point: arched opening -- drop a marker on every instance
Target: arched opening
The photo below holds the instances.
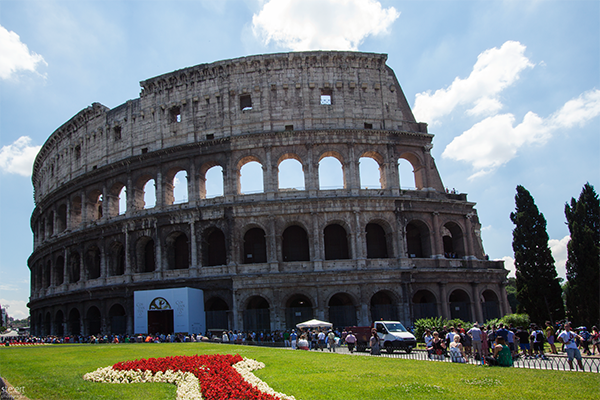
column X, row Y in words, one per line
column 291, row 175
column 145, row 254
column 255, row 246
column 96, row 200
column 376, row 241
column 149, row 194
column 122, row 201
column 74, row 267
column 406, row 174
column 118, row 320
column 298, row 309
column 115, row 203
column 294, row 244
column 417, row 240
column 92, row 262
column 180, row 187
column 214, row 250
column 331, row 174
column 59, row 271
column 74, row 322
column 48, row 274
column 75, row 211
column 453, row 240
column 370, row 173
column 490, row 306
column 178, row 252
column 460, row 305
column 383, row 307
column 116, row 265
column 342, row 311
column 59, row 327
column 257, row 316
column 62, row 218
column 336, row 242
column 94, row 321
column 213, row 183
column 216, row 314
column 251, row 178
column 424, row 305
column 50, row 224
column 48, row 324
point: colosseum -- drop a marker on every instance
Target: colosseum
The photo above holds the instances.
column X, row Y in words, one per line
column 207, row 203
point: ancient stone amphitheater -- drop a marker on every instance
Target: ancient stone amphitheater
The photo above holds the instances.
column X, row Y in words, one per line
column 108, row 222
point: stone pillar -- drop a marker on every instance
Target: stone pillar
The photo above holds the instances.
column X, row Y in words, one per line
column 437, row 244
column 193, row 249
column 311, row 173
column 84, row 203
column 192, row 184
column 469, row 236
column 444, row 303
column 158, row 256
column 504, row 306
column 128, row 269
column 478, row 311
column 159, row 189
column 130, row 190
column 271, row 239
column 269, row 175
column 352, row 173
column 65, row 268
column 315, row 244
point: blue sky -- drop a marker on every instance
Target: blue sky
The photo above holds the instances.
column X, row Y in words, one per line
column 510, row 89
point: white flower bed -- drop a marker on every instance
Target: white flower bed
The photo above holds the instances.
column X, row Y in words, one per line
column 188, row 387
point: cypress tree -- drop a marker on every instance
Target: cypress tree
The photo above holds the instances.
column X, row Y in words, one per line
column 538, row 286
column 583, row 262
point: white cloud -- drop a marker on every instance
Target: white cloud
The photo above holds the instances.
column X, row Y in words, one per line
column 509, row 264
column 18, row 158
column 495, row 70
column 15, row 55
column 558, row 247
column 16, row 308
column 495, row 141
column 321, row 24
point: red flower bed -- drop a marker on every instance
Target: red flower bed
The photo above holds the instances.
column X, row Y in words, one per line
column 218, row 379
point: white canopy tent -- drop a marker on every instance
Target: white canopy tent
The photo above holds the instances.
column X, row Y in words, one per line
column 314, row 323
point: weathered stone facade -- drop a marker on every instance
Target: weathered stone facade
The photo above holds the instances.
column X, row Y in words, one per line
column 264, row 260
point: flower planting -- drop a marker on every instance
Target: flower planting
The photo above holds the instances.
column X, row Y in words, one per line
column 208, row 377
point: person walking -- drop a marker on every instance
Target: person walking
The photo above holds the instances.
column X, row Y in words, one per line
column 350, row 341
column 568, row 338
column 374, row 343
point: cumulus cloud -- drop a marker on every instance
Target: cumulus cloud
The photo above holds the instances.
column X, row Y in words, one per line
column 16, row 308
column 558, row 247
column 15, row 55
column 18, row 157
column 321, row 24
column 495, row 70
column 496, row 140
column 509, row 264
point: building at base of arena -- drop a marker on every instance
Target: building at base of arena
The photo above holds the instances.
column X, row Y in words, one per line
column 263, row 191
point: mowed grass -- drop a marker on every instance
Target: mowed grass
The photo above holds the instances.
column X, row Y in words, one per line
column 56, row 371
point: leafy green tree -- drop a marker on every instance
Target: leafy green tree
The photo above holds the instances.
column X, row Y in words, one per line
column 538, row 286
column 583, row 252
column 511, row 294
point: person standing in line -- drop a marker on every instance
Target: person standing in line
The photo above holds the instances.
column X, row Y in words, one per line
column 293, row 339
column 331, row 340
column 475, row 334
column 550, row 337
column 321, row 339
column 568, row 338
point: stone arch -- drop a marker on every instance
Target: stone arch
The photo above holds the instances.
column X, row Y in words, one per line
column 453, row 240
column 47, row 324
column 460, row 305
column 59, row 271
column 214, row 247
column 50, row 224
column 59, row 323
column 490, row 305
column 294, row 244
column 257, row 315
column 255, row 246
column 298, row 308
column 342, row 310
column 335, row 241
column 61, row 219
column 175, row 190
column 418, row 242
column 211, row 182
column 95, row 200
column 74, row 323
column 114, row 197
column 75, row 211
column 371, row 166
column 145, row 255
column 253, row 180
column 92, row 262
column 424, row 304
column 93, row 321
column 116, row 260
column 178, row 251
column 383, row 306
column 331, row 171
column 74, row 267
column 118, row 319
column 378, row 241
column 414, row 177
column 139, row 191
column 47, row 274
column 217, row 314
column 290, row 166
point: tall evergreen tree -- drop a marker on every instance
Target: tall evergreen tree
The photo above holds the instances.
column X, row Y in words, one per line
column 538, row 287
column 583, row 252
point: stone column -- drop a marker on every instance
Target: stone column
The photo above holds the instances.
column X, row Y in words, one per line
column 469, row 236
column 436, row 245
column 194, row 271
column 159, row 189
column 192, row 181
column 444, row 303
column 311, row 173
column 478, row 311
column 271, row 239
column 315, row 244
column 269, row 175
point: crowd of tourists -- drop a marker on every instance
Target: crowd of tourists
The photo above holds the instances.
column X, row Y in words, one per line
column 501, row 344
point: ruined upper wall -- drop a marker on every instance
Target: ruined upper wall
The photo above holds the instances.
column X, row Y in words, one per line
column 263, row 93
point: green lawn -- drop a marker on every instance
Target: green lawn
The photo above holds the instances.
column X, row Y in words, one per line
column 55, row 372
